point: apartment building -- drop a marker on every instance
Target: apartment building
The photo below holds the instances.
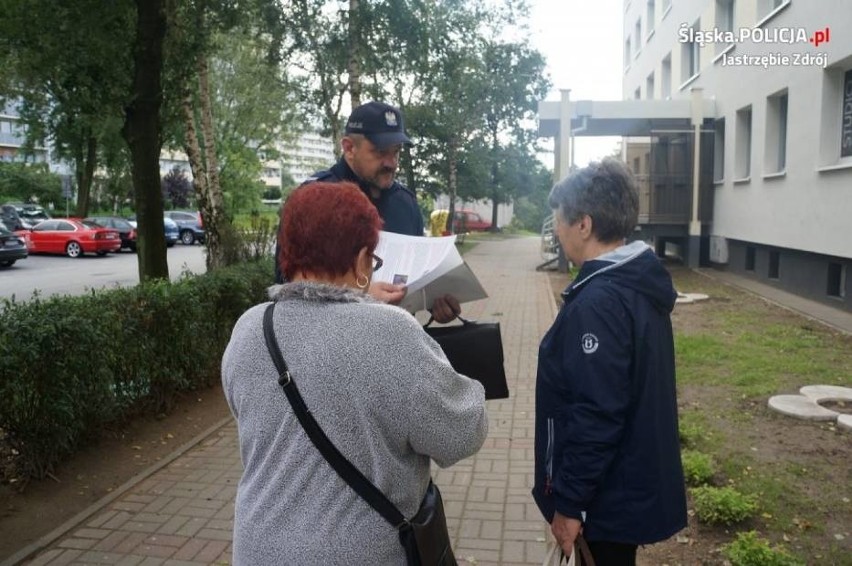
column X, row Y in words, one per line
column 737, row 117
column 306, row 155
column 13, row 138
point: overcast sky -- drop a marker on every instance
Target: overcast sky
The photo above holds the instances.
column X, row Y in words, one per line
column 581, row 40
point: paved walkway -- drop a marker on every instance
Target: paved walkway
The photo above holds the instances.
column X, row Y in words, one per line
column 182, row 513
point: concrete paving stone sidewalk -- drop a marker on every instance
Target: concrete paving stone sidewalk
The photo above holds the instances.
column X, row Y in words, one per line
column 183, row 513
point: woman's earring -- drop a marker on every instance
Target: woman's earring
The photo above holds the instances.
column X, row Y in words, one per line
column 365, row 283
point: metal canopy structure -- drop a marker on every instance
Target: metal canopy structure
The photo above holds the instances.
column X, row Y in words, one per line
column 630, row 118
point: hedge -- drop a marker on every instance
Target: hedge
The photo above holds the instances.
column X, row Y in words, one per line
column 70, row 365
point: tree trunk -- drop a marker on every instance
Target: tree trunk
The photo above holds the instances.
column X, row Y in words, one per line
column 354, row 53
column 495, row 180
column 85, row 171
column 452, row 166
column 213, row 213
column 141, row 130
column 193, row 152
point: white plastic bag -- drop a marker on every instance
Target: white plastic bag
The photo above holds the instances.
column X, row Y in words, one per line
column 554, row 556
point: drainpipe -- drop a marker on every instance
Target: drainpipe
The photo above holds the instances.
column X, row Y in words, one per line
column 566, row 141
column 694, row 244
column 574, row 132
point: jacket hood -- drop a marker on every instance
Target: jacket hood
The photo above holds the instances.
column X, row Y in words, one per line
column 635, row 266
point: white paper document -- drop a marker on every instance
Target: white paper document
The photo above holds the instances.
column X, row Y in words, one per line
column 429, row 267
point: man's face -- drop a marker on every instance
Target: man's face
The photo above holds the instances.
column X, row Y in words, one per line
column 373, row 165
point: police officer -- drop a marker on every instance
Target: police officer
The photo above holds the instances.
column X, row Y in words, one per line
column 371, row 144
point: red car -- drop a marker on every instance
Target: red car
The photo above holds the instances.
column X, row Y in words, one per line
column 470, row 221
column 73, row 237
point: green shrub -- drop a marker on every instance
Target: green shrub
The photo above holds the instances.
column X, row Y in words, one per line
column 722, row 505
column 697, row 467
column 689, row 433
column 70, row 365
column 749, row 550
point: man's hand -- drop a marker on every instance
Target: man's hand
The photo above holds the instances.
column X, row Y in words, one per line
column 387, row 293
column 445, row 309
column 565, row 531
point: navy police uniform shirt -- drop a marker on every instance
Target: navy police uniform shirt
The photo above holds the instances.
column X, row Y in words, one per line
column 397, row 205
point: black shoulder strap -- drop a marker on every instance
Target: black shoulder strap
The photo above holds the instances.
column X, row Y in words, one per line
column 344, row 468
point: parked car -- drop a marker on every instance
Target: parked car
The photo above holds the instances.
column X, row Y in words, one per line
column 464, row 221
column 189, row 224
column 22, row 216
column 73, row 237
column 12, row 247
column 170, row 227
column 126, row 231
column 470, row 221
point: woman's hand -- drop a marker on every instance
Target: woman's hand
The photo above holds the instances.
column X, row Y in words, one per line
column 565, row 531
column 387, row 293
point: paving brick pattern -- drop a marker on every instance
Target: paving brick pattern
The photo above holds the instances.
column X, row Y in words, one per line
column 183, row 513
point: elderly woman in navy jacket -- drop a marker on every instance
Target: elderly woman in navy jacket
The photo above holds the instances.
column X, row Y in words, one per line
column 376, row 383
column 606, row 436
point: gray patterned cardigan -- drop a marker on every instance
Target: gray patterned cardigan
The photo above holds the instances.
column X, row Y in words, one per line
column 382, row 391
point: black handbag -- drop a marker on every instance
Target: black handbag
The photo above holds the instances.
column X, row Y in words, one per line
column 425, row 536
column 474, row 349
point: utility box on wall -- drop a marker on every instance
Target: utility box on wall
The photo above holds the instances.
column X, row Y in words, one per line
column 718, row 249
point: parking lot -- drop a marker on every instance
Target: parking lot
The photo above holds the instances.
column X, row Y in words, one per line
column 55, row 274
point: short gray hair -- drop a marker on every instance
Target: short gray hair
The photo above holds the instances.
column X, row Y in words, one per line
column 606, row 191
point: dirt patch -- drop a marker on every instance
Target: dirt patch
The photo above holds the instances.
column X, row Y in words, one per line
column 102, row 467
column 798, row 469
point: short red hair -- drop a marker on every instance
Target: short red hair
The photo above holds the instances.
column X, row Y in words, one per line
column 324, row 226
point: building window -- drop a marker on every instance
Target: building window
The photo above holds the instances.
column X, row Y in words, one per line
column 836, row 116
column 627, row 54
column 719, row 151
column 774, row 264
column 649, row 86
column 836, row 280
column 775, row 156
column 724, row 20
column 846, row 117
column 651, row 16
column 742, row 161
column 750, row 258
column 638, row 36
column 637, row 94
column 666, row 78
column 690, row 56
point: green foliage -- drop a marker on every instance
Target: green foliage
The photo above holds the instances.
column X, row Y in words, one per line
column 750, row 550
column 253, row 239
column 177, row 189
column 28, row 182
column 73, row 364
column 697, row 467
column 692, row 430
column 722, row 505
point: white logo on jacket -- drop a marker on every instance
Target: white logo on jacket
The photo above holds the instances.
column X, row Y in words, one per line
column 589, row 343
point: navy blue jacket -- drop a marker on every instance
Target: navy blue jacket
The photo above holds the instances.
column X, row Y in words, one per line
column 397, row 205
column 606, row 436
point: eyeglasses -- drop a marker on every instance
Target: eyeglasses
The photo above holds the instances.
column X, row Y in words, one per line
column 377, row 262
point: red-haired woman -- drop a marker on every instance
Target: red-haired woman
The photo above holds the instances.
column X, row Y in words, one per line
column 379, row 387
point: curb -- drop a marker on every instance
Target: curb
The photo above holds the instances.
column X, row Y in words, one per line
column 51, row 537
